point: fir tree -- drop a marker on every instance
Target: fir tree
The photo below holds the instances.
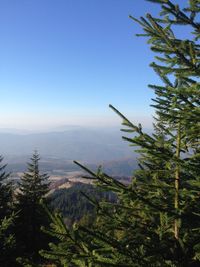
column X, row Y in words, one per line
column 7, row 237
column 7, row 242
column 156, row 219
column 33, row 187
column 6, row 191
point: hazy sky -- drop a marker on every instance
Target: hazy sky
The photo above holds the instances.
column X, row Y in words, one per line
column 64, row 61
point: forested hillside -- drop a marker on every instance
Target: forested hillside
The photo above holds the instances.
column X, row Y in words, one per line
column 74, row 206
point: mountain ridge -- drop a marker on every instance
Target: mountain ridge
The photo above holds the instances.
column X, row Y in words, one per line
column 85, row 144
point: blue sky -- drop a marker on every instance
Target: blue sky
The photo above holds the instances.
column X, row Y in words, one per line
column 64, row 61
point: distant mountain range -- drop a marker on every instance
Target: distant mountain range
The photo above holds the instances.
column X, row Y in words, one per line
column 91, row 145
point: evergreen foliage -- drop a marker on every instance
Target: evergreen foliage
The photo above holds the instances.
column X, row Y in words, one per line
column 6, row 192
column 74, row 206
column 156, row 219
column 7, row 242
column 32, row 188
column 7, row 237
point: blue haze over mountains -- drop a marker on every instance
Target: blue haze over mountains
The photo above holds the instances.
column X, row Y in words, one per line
column 86, row 144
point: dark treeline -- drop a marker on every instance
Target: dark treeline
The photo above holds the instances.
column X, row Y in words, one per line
column 22, row 216
column 73, row 204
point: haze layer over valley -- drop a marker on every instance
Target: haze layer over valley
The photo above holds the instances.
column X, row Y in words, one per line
column 59, row 147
